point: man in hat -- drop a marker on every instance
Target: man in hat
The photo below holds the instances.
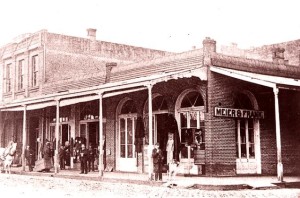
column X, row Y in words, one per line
column 157, row 162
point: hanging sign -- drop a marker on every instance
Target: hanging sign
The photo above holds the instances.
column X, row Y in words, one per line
column 238, row 113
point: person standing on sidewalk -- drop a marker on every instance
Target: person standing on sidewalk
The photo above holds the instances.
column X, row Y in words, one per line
column 157, row 162
column 67, row 155
column 62, row 157
column 47, row 158
column 91, row 158
column 84, row 154
column 29, row 157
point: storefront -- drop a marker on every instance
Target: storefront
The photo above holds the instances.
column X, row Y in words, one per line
column 223, row 117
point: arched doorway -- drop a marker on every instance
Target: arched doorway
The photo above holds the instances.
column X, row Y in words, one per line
column 160, row 112
column 190, row 117
column 248, row 157
column 126, row 119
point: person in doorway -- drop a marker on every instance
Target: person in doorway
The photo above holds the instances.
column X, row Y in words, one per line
column 67, row 155
column 83, row 155
column 170, row 148
column 47, row 157
column 91, row 158
column 29, row 157
column 62, row 157
column 157, row 162
column 40, row 149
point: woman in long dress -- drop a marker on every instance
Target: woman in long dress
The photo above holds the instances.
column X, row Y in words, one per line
column 47, row 157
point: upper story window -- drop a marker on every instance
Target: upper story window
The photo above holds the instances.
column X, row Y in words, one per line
column 7, row 78
column 35, row 70
column 21, row 70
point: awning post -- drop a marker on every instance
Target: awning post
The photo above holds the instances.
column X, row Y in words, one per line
column 278, row 138
column 150, row 146
column 101, row 141
column 56, row 160
column 24, row 138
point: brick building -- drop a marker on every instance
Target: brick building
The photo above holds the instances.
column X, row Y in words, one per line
column 227, row 114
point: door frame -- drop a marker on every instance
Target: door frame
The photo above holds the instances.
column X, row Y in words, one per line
column 127, row 164
column 249, row 165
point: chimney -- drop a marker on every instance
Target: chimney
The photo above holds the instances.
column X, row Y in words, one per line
column 91, row 33
column 209, row 45
column 278, row 55
column 109, row 67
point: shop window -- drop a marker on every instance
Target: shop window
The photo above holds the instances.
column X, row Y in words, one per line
column 127, row 120
column 127, row 137
column 192, row 124
column 245, row 139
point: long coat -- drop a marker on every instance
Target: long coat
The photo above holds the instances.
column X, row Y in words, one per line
column 157, row 160
column 47, row 157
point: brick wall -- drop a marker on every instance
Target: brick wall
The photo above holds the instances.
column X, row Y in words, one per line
column 220, row 146
column 292, row 51
column 111, row 105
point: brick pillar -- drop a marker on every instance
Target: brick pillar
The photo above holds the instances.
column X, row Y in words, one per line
column 209, row 47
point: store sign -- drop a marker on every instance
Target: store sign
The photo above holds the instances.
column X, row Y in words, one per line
column 238, row 113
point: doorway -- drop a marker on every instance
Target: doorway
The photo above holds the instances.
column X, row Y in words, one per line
column 93, row 137
column 65, row 135
column 161, row 133
column 33, row 135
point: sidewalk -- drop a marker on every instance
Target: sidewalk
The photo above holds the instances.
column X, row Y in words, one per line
column 241, row 182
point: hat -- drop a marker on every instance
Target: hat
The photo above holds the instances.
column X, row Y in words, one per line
column 157, row 144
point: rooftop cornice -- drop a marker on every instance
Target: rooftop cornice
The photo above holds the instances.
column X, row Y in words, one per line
column 256, row 66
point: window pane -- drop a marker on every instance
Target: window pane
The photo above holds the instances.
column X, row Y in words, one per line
column 184, row 151
column 193, row 119
column 183, row 119
column 129, row 131
column 251, row 141
column 122, row 131
column 243, row 139
column 251, row 151
column 130, row 151
column 123, row 151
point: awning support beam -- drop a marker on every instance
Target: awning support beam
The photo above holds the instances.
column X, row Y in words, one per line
column 150, row 146
column 101, row 139
column 56, row 161
column 278, row 136
column 24, row 138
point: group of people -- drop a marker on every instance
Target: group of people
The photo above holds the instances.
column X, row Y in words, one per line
column 158, row 157
column 86, row 157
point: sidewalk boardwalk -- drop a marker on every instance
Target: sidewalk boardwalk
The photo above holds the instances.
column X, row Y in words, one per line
column 250, row 182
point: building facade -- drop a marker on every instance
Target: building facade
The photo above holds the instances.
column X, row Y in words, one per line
column 226, row 114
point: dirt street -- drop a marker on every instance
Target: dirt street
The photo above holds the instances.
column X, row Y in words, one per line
column 43, row 187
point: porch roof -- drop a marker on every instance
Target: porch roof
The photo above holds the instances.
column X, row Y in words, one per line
column 261, row 79
column 108, row 90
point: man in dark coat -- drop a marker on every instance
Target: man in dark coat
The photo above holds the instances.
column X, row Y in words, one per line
column 157, row 162
column 67, row 155
column 91, row 158
column 29, row 157
column 62, row 157
column 83, row 155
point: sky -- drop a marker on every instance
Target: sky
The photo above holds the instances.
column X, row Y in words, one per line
column 171, row 25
